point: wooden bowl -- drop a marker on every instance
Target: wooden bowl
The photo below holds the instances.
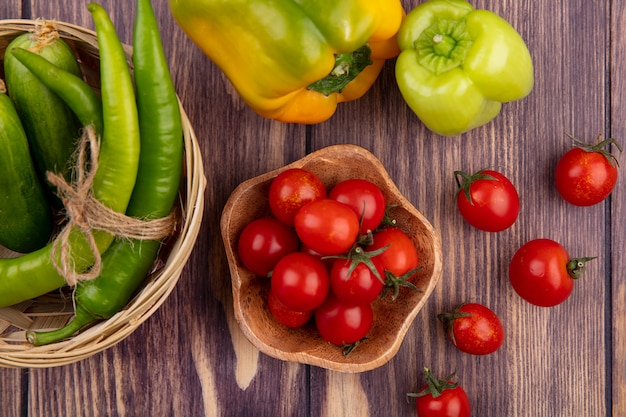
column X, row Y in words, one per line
column 392, row 319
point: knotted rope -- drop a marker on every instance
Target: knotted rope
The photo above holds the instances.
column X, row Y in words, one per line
column 86, row 214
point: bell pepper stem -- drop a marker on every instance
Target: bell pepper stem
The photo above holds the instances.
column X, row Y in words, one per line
column 81, row 319
column 347, row 67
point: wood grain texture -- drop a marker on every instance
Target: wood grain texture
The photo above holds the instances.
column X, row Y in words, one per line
column 191, row 359
column 617, row 129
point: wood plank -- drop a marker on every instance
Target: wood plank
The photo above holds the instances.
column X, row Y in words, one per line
column 10, row 10
column 617, row 130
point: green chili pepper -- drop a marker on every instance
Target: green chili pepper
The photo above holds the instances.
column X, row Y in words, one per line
column 127, row 262
column 69, row 87
column 34, row 274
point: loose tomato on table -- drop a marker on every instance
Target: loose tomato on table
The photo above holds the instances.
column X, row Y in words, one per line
column 487, row 200
column 365, row 198
column 292, row 189
column 473, row 328
column 300, row 281
column 263, row 242
column 542, row 272
column 587, row 174
column 327, row 226
column 441, row 398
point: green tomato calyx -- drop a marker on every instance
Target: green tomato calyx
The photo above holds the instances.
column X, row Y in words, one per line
column 443, row 46
column 465, row 181
column 447, row 319
column 358, row 256
column 599, row 147
column 394, row 283
column 435, row 386
column 576, row 266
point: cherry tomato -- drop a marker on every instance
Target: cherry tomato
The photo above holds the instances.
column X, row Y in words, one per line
column 328, row 261
column 401, row 256
column 487, row 200
column 300, row 281
column 543, row 274
column 327, row 226
column 365, row 198
column 263, row 242
column 286, row 315
column 441, row 398
column 399, row 259
column 343, row 323
column 474, row 328
column 354, row 281
column 586, row 174
column 292, row 189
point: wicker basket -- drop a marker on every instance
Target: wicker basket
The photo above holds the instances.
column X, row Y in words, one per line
column 55, row 309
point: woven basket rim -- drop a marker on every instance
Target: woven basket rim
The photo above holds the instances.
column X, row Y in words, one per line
column 107, row 333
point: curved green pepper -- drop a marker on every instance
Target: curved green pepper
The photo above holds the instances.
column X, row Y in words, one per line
column 34, row 274
column 127, row 262
column 457, row 65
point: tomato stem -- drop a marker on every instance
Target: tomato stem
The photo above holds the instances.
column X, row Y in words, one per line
column 576, row 266
column 387, row 219
column 598, row 147
column 392, row 282
column 435, row 386
column 448, row 322
column 357, row 256
column 348, row 348
column 468, row 179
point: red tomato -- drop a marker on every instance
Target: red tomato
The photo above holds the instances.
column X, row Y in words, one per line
column 587, row 174
column 263, row 242
column 474, row 328
column 327, row 226
column 292, row 189
column 441, row 398
column 401, row 256
column 285, row 315
column 399, row 259
column 543, row 274
column 352, row 280
column 342, row 323
column 300, row 281
column 326, row 260
column 487, row 200
column 365, row 198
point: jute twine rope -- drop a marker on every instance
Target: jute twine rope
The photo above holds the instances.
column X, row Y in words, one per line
column 85, row 213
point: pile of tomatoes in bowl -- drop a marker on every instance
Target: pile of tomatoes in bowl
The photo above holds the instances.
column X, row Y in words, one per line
column 328, row 254
column 282, row 244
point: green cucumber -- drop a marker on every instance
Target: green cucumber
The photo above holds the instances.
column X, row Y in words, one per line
column 25, row 216
column 51, row 127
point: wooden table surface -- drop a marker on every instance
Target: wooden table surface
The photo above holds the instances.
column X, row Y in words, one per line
column 191, row 359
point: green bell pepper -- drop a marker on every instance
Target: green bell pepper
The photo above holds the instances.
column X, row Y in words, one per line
column 457, row 65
